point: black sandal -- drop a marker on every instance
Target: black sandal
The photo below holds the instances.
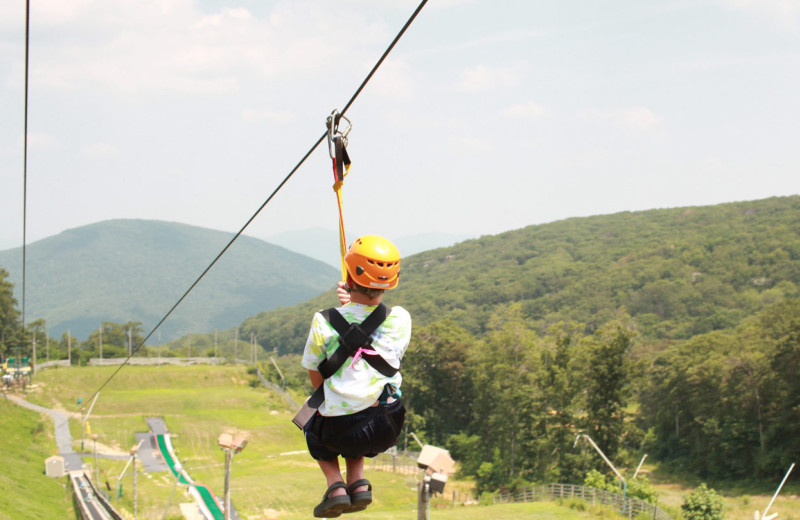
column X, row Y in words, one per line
column 360, row 500
column 331, row 507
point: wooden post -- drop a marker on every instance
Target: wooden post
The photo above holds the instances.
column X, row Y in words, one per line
column 133, row 452
column 228, row 459
column 422, row 501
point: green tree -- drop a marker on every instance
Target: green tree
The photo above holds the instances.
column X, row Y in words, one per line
column 608, row 388
column 553, row 458
column 9, row 315
column 436, row 384
column 506, row 397
column 781, row 325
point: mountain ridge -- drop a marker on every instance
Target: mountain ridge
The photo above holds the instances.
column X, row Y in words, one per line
column 679, row 271
column 128, row 270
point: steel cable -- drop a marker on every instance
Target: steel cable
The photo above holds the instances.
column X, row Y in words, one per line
column 271, row 196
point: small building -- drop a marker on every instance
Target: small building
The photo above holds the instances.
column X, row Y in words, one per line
column 54, row 466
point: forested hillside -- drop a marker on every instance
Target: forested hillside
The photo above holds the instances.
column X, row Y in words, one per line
column 672, row 332
column 679, row 272
column 130, row 271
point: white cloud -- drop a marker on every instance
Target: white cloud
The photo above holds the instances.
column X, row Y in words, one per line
column 528, row 110
column 394, row 80
column 170, row 46
column 482, row 78
column 277, row 116
column 99, row 150
column 630, row 118
column 476, row 145
column 42, row 141
column 785, row 13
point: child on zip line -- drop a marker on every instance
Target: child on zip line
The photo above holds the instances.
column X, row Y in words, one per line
column 353, row 355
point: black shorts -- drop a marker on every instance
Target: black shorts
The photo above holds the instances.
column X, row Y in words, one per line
column 362, row 434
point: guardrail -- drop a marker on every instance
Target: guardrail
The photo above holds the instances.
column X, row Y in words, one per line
column 160, row 361
column 91, row 505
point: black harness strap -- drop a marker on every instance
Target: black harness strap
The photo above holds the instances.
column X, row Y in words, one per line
column 352, row 336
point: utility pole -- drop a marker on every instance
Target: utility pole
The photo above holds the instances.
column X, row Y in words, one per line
column 130, row 342
column 100, row 329
column 215, row 343
column 188, row 347
column 236, row 345
column 69, row 346
column 33, row 366
column 96, row 476
column 133, row 459
column 83, row 424
column 47, row 343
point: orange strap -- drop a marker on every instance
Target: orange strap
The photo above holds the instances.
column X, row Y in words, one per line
column 341, row 167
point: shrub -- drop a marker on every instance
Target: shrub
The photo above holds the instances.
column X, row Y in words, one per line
column 642, row 488
column 703, row 504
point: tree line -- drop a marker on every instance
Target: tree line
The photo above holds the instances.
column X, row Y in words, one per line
column 510, row 404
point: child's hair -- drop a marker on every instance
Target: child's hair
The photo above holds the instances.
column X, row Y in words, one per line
column 369, row 291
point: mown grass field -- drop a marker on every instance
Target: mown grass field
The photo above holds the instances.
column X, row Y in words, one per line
column 26, row 440
column 272, row 478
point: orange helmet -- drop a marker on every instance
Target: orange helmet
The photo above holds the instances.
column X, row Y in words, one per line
column 373, row 261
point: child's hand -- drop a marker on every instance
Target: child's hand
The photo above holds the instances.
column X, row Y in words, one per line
column 343, row 293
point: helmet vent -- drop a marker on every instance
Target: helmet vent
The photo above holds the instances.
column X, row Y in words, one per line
column 359, row 270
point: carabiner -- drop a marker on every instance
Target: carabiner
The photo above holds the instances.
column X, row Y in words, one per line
column 333, row 131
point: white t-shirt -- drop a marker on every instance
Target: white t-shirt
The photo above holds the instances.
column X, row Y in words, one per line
column 356, row 385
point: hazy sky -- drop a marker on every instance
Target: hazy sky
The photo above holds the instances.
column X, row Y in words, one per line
column 490, row 115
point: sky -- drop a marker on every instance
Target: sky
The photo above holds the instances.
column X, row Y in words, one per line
column 489, row 115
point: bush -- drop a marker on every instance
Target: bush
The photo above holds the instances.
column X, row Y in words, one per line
column 595, row 479
column 642, row 488
column 703, row 504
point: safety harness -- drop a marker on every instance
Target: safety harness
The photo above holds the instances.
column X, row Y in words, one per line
column 355, row 340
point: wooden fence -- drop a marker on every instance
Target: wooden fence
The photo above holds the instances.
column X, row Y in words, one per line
column 627, row 506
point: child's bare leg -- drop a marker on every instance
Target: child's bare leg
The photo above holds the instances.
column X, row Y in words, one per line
column 355, row 471
column 330, row 468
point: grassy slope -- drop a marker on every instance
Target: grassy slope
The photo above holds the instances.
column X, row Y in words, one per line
column 741, row 499
column 272, row 478
column 26, row 441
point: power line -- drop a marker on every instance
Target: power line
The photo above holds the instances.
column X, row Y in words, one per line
column 271, row 196
column 25, row 164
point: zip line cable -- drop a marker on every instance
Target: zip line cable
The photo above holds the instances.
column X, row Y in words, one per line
column 25, row 164
column 271, row 196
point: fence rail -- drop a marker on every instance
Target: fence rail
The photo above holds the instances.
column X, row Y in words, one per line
column 627, row 506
